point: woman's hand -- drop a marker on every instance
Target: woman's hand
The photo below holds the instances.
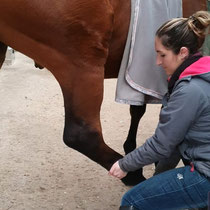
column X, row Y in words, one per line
column 116, row 171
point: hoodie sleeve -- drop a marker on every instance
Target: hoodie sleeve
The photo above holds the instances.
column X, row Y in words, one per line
column 175, row 120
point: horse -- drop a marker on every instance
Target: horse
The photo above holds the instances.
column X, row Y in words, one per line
column 81, row 43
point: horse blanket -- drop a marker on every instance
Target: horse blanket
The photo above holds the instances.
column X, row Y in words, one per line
column 140, row 80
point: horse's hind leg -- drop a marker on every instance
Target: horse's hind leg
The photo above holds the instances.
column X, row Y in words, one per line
column 3, row 50
column 136, row 113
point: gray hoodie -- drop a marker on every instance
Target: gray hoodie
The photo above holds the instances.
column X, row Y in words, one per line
column 184, row 123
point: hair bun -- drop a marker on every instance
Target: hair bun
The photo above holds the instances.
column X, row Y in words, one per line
column 199, row 22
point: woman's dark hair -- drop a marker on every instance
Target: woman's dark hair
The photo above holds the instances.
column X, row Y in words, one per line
column 185, row 32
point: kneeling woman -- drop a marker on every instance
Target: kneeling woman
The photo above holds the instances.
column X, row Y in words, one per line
column 184, row 123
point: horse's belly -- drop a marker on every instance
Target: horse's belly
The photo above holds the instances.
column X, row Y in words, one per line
column 70, row 28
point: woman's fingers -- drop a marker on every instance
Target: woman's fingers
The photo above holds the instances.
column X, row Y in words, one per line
column 116, row 171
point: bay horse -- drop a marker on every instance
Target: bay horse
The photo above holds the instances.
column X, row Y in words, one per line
column 81, row 42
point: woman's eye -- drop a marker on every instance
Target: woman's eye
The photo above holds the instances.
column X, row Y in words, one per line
column 162, row 55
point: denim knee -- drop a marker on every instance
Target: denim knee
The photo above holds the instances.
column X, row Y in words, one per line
column 126, row 200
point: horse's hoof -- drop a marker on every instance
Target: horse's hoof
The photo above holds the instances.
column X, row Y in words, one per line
column 133, row 178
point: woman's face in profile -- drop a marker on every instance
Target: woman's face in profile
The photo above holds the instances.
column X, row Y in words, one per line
column 167, row 58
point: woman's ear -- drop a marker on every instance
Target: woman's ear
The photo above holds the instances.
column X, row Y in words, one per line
column 184, row 53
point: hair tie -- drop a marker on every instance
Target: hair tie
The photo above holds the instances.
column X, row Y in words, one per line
column 192, row 18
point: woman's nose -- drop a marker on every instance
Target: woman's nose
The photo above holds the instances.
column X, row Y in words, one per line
column 158, row 61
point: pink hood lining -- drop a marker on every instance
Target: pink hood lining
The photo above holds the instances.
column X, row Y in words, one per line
column 201, row 66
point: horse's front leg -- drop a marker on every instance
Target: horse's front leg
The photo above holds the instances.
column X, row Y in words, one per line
column 3, row 50
column 83, row 94
column 136, row 113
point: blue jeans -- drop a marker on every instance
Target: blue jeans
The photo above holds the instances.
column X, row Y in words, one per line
column 175, row 189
